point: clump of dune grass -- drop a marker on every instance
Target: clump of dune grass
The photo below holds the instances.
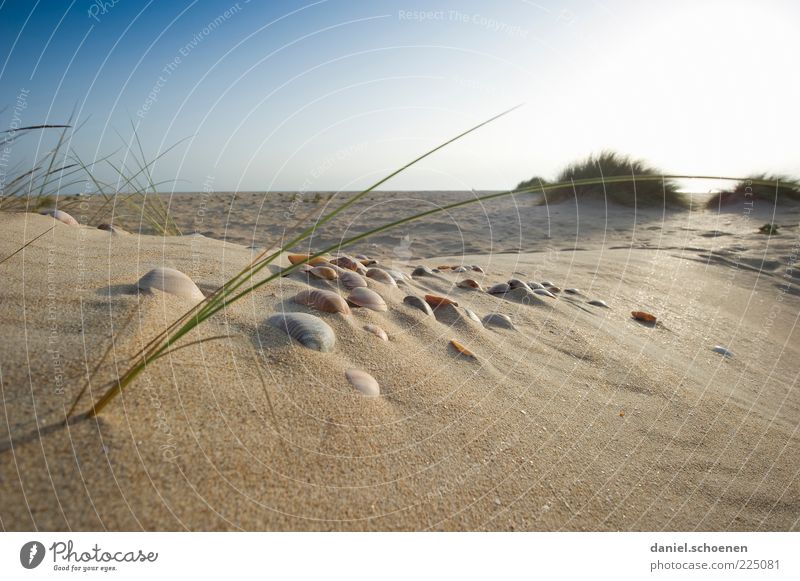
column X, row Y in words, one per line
column 594, row 178
column 771, row 188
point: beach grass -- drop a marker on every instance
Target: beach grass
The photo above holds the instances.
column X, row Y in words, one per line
column 771, row 188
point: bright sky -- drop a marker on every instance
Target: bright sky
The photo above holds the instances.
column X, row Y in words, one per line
column 333, row 94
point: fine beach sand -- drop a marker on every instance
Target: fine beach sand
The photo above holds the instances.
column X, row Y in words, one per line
column 581, row 419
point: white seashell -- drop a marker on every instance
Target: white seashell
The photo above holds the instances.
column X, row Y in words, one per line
column 350, row 279
column 422, row 271
column 323, row 272
column 460, row 269
column 396, row 275
column 418, row 303
column 498, row 320
column 376, row 330
column 381, row 276
column 61, row 216
column 308, row 330
column 369, row 299
column 598, row 303
column 322, row 300
column 722, row 351
column 473, row 316
column 572, row 291
column 171, row 281
column 544, row 292
column 547, row 283
column 499, row 289
column 363, row 382
column 517, row 283
column 534, row 285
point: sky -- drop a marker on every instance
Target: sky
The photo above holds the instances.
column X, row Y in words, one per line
column 333, row 95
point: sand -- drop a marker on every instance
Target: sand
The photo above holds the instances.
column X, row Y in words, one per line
column 581, row 419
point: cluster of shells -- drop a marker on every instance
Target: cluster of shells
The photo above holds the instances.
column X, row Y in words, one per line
column 69, row 220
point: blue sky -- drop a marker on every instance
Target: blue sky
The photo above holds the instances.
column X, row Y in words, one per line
column 333, row 94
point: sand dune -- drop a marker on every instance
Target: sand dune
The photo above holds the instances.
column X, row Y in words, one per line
column 580, row 419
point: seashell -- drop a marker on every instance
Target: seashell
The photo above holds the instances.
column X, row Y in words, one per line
column 324, row 272
column 473, row 316
column 396, row 275
column 418, row 303
column 437, row 301
column 363, row 382
column 517, row 283
column 477, row 268
column 114, row 230
column 298, row 258
column 369, row 299
column 351, row 279
column 598, row 303
column 547, row 283
column 376, row 330
column 499, row 289
column 444, row 267
column 61, row 216
column 534, row 285
column 572, row 291
column 460, row 269
column 361, row 269
column 362, row 257
column 554, row 289
column 171, row 281
column 498, row 320
column 722, row 351
column 422, row 271
column 461, row 349
column 381, row 276
column 469, row 283
column 308, row 330
column 544, row 292
column 346, row 262
column 644, row 317
column 322, row 300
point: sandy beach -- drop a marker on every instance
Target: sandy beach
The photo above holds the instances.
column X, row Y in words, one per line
column 580, row 418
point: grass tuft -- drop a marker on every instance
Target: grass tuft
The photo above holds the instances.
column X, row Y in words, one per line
column 765, row 187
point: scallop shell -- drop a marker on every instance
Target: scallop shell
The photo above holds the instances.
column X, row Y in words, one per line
column 418, row 303
column 473, row 316
column 377, row 331
column 324, row 272
column 498, row 320
column 437, row 301
column 308, row 330
column 298, row 258
column 322, row 300
column 598, row 303
column 351, row 279
column 517, row 283
column 461, row 349
column 369, row 299
column 61, row 216
column 346, row 262
column 533, row 285
column 499, row 289
column 381, row 276
column 114, row 230
column 171, row 281
column 422, row 271
column 363, row 382
column 469, row 284
column 544, row 292
column 643, row 317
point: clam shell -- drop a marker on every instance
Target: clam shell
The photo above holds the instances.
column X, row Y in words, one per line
column 396, row 275
column 418, row 303
column 544, row 292
column 368, row 261
column 381, row 276
column 363, row 382
column 298, row 258
column 422, row 271
column 322, row 300
column 572, row 291
column 437, row 301
column 351, row 280
column 498, row 320
column 554, row 289
column 346, row 262
column 460, row 269
column 61, row 216
column 308, row 330
column 461, row 349
column 377, row 331
column 533, row 285
column 477, row 268
column 171, row 281
column 469, row 284
column 324, row 272
column 598, row 303
column 643, row 316
column 115, row 230
column 369, row 299
column 499, row 289
column 473, row 316
column 722, row 351
column 547, row 283
column 517, row 283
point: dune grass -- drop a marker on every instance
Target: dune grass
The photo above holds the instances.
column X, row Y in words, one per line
column 598, row 169
column 771, row 188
